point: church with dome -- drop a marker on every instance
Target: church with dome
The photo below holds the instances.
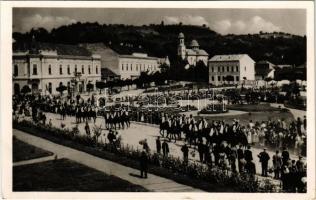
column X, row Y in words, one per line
column 193, row 54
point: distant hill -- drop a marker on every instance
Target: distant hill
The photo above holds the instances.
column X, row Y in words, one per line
column 161, row 40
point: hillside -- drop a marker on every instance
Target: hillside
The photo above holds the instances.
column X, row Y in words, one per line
column 161, row 40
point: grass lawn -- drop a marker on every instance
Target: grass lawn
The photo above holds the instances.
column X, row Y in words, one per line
column 263, row 107
column 66, row 175
column 254, row 116
column 24, row 151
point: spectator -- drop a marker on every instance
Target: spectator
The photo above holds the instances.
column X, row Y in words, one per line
column 185, row 151
column 264, row 159
column 165, row 149
column 158, row 145
column 277, row 164
column 143, row 164
column 248, row 154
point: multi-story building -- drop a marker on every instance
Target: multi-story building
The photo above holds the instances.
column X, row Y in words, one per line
column 194, row 54
column 231, row 69
column 44, row 67
column 126, row 66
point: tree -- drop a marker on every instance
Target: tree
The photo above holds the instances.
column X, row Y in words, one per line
column 26, row 89
column 89, row 87
column 100, row 85
column 61, row 89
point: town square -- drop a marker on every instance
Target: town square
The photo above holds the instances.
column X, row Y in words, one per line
column 165, row 103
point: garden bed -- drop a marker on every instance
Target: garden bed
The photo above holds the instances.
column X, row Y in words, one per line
column 193, row 174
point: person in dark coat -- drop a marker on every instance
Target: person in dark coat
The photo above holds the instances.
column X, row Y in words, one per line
column 248, row 154
column 165, row 148
column 201, row 150
column 285, row 156
column 240, row 156
column 143, row 164
column 264, row 159
column 185, row 151
column 158, row 145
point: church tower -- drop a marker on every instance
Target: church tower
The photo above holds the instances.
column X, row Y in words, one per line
column 181, row 46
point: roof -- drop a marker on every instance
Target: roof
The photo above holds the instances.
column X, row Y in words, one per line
column 196, row 52
column 263, row 71
column 264, row 62
column 232, row 57
column 139, row 57
column 62, row 49
column 194, row 43
column 106, row 72
column 181, row 35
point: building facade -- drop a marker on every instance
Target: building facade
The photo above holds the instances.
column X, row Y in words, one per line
column 126, row 66
column 194, row 54
column 44, row 67
column 264, row 69
column 231, row 69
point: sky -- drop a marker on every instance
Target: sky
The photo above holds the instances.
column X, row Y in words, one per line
column 223, row 21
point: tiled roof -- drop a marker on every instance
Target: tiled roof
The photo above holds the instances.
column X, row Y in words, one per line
column 106, row 72
column 233, row 57
column 62, row 49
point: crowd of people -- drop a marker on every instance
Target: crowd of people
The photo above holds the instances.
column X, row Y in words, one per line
column 218, row 143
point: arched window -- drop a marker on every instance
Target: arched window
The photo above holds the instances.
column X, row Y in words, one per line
column 49, row 69
column 60, row 69
column 16, row 70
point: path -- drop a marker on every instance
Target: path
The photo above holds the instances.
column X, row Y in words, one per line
column 35, row 160
column 153, row 183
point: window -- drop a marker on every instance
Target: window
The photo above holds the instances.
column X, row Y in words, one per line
column 16, row 70
column 212, row 78
column 89, row 69
column 236, row 68
column 49, row 69
column 223, row 69
column 60, row 69
column 136, row 67
column 122, row 67
column 219, row 69
column 227, row 68
column 82, row 69
column 75, row 69
column 213, row 70
column 131, row 67
column 96, row 70
column 126, row 67
column 237, row 78
column 68, row 69
column 34, row 69
column 245, row 68
column 219, row 78
column 232, row 68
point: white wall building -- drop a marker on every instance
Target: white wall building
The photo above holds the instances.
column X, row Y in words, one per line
column 232, row 69
column 194, row 54
column 44, row 67
column 126, row 66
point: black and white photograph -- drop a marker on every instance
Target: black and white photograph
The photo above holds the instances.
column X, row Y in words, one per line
column 161, row 99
